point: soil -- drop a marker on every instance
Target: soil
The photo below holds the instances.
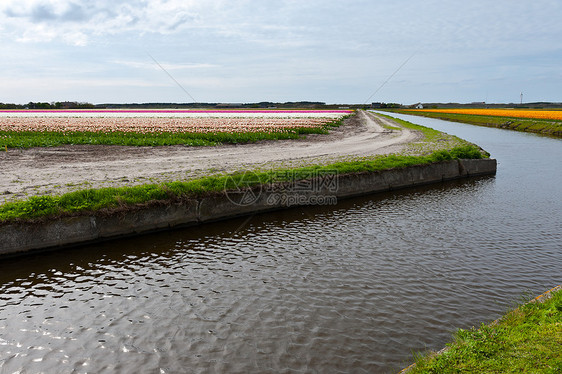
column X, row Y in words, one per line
column 36, row 171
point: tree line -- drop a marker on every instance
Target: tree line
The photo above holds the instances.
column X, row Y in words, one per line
column 53, row 105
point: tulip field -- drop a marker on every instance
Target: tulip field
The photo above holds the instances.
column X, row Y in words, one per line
column 546, row 122
column 31, row 128
column 555, row 115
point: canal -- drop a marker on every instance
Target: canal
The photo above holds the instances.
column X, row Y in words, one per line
column 351, row 288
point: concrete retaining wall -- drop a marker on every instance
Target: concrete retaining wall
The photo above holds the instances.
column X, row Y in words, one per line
column 71, row 231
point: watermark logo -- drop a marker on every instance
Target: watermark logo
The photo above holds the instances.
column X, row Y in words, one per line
column 292, row 199
column 244, row 190
column 289, row 187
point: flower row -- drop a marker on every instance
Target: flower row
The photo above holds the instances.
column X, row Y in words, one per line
column 157, row 124
column 555, row 115
column 333, row 114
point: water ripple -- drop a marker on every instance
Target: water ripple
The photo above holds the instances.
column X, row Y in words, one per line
column 351, row 288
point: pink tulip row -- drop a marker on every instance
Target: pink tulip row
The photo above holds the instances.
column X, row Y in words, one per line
column 157, row 124
column 156, row 111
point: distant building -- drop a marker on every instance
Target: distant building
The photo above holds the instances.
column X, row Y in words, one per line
column 376, row 105
column 229, row 105
column 68, row 104
column 419, row 106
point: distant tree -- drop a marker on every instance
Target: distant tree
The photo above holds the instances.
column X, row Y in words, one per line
column 10, row 106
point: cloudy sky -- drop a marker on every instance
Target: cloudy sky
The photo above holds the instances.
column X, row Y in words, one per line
column 102, row 51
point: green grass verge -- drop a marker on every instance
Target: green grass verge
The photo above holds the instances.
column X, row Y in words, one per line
column 539, row 126
column 526, row 340
column 432, row 141
column 431, row 135
column 28, row 139
column 92, row 200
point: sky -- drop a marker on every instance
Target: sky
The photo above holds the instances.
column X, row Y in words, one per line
column 235, row 51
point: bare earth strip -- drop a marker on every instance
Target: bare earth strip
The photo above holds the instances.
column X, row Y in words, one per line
column 61, row 169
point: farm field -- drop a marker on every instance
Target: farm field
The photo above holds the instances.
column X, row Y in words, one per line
column 56, row 170
column 36, row 128
column 544, row 122
column 555, row 115
column 120, row 174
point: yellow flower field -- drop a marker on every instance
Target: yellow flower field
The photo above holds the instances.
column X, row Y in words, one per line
column 555, row 115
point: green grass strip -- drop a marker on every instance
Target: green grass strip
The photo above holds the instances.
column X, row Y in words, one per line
column 433, row 140
column 92, row 200
column 526, row 340
column 28, row 139
column 539, row 126
column 431, row 135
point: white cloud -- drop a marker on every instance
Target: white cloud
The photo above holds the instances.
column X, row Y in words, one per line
column 48, row 20
column 242, row 48
column 49, row 83
column 167, row 66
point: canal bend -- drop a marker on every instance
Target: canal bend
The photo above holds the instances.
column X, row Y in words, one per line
column 355, row 287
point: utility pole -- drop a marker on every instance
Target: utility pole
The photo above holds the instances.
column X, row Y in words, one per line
column 521, row 98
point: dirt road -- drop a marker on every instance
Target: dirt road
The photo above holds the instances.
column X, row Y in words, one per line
column 61, row 169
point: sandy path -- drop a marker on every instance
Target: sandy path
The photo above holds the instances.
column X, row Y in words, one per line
column 60, row 169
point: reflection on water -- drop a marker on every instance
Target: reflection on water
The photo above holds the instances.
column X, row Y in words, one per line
column 351, row 288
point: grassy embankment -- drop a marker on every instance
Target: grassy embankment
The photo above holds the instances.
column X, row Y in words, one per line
column 539, row 126
column 433, row 140
column 28, row 139
column 526, row 340
column 435, row 147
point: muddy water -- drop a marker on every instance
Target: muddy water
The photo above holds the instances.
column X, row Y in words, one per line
column 349, row 288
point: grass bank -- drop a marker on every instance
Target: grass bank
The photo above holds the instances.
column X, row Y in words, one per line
column 28, row 139
column 526, row 340
column 539, row 126
column 433, row 140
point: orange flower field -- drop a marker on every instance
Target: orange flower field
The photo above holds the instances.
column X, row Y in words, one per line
column 555, row 115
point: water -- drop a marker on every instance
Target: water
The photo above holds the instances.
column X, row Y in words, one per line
column 353, row 288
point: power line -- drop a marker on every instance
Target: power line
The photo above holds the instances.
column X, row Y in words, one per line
column 171, row 77
column 389, row 78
